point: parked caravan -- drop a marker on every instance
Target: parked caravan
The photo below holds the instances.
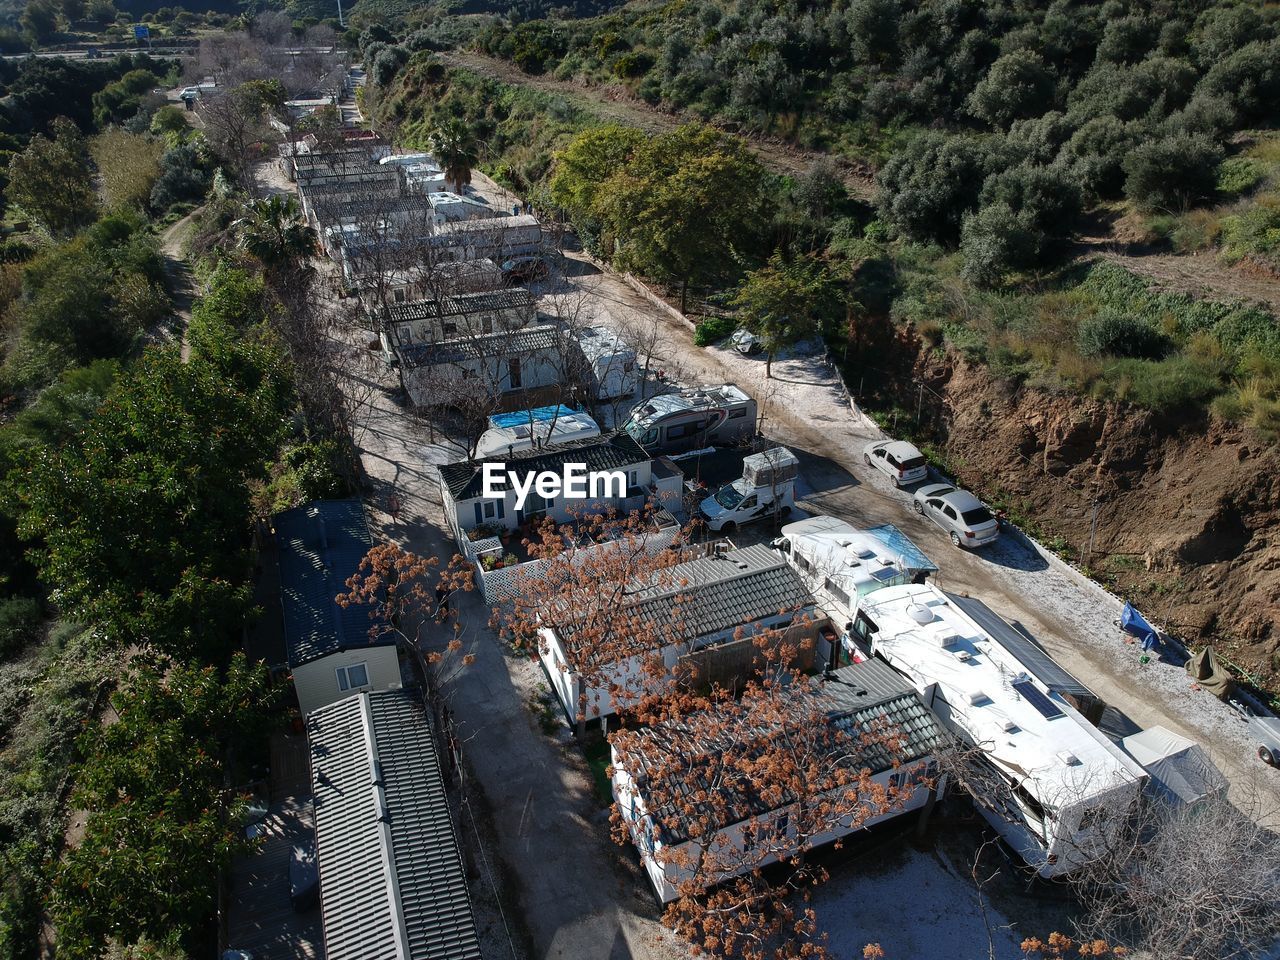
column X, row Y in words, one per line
column 842, row 564
column 693, row 419
column 1050, row 783
column 612, row 364
column 539, row 427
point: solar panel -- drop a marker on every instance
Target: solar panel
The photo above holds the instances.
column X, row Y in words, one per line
column 1037, row 699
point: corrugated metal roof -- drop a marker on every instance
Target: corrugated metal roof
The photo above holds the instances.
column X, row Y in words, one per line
column 713, row 594
column 392, row 881
column 505, row 345
column 1027, row 652
column 321, row 545
column 493, row 301
column 864, row 701
column 616, row 451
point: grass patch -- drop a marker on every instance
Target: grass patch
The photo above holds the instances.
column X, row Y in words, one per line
column 596, row 752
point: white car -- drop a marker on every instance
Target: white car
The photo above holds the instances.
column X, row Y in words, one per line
column 963, row 516
column 746, row 342
column 898, row 460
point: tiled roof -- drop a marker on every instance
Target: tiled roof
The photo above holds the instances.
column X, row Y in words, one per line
column 493, row 301
column 616, row 451
column 504, row 344
column 321, row 545
column 392, row 882
column 709, row 595
column 863, row 701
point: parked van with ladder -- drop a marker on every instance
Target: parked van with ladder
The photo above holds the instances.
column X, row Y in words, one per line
column 767, row 488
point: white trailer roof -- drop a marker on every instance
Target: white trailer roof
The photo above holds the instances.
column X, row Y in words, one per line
column 1029, row 731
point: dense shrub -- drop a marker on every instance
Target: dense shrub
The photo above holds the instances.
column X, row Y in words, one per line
column 19, row 624
column 927, row 187
column 1172, row 172
column 183, row 178
column 1165, row 386
column 1018, row 85
column 714, row 329
column 997, row 240
column 1120, row 335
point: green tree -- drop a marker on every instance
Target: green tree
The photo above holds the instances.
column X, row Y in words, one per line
column 996, row 240
column 1172, row 172
column 119, row 101
column 39, row 21
column 928, row 186
column 586, row 163
column 50, row 180
column 684, row 206
column 140, row 521
column 161, row 822
column 273, row 230
column 785, row 301
column 1018, row 85
column 455, row 148
column 128, row 165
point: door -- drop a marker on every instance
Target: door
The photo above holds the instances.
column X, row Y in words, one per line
column 513, row 372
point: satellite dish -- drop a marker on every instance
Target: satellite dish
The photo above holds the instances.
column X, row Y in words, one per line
column 920, row 613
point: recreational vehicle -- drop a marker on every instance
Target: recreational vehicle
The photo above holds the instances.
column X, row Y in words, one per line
column 842, row 564
column 539, row 427
column 693, row 419
column 1054, row 787
column 611, row 363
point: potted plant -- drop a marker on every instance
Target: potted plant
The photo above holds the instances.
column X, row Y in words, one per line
column 510, row 559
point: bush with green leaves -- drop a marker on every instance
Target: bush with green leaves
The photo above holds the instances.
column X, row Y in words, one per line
column 928, row 186
column 713, row 330
column 1112, row 334
column 998, row 240
column 1172, row 172
column 20, row 619
column 1018, row 85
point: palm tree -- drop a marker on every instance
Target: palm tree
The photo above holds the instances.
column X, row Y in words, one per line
column 273, row 231
column 456, row 150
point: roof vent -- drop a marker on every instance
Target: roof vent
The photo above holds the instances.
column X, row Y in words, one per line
column 920, row 613
column 963, row 656
column 976, row 697
column 1008, row 726
column 1069, row 758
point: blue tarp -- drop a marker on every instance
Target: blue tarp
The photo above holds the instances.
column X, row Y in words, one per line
column 1132, row 622
column 897, row 543
column 536, row 415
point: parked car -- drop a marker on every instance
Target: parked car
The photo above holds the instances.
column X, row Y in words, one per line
column 525, row 269
column 965, row 518
column 746, row 342
column 897, row 459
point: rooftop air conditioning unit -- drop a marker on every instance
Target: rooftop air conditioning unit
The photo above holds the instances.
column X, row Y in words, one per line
column 948, row 641
column 963, row 656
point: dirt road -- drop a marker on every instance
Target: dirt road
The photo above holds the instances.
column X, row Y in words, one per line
column 615, row 102
column 804, row 407
column 178, row 272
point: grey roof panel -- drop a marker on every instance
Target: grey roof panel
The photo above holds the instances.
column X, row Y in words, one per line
column 616, row 451
column 321, row 545
column 392, row 882
column 1029, row 653
column 492, row 301
column 499, row 345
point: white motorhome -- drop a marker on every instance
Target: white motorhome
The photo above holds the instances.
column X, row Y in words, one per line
column 610, row 362
column 693, row 419
column 539, row 427
column 767, row 488
column 842, row 564
column 1054, row 787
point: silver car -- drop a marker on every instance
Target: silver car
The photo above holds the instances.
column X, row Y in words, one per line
column 965, row 518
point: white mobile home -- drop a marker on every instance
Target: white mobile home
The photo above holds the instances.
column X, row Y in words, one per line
column 448, row 317
column 1055, row 787
column 333, row 651
column 466, row 507
column 841, row 564
column 610, row 362
column 517, row 367
column 497, row 238
column 696, row 610
column 860, row 701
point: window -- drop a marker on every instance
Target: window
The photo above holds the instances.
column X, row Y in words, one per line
column 682, row 430
column 863, row 628
column 353, row 677
column 513, row 372
column 449, row 328
column 397, row 296
column 934, row 504
column 487, row 325
column 949, row 512
column 880, row 453
column 977, row 516
column 490, row 510
column 748, row 503
column 737, row 414
column 837, row 593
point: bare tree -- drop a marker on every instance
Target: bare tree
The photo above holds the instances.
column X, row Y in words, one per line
column 1188, row 882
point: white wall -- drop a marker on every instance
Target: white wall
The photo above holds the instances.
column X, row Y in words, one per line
column 316, row 682
column 560, row 510
column 665, row 876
